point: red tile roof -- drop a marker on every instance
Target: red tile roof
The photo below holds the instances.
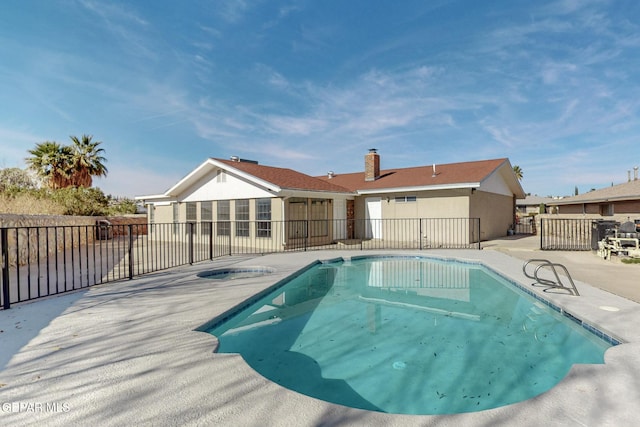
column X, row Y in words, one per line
column 421, row 176
column 284, row 178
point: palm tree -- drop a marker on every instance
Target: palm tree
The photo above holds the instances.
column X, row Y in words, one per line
column 52, row 162
column 87, row 161
column 518, row 172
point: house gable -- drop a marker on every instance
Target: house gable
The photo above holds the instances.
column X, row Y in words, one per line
column 220, row 184
column 246, row 180
column 495, row 183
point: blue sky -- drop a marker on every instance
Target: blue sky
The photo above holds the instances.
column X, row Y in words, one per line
column 312, row 85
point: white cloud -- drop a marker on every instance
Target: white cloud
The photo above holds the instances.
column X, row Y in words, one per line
column 295, row 125
column 553, row 72
column 231, row 10
column 501, row 135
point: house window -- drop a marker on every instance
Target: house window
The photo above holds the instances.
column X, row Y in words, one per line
column 223, row 218
column 606, row 209
column 221, row 176
column 405, row 199
column 263, row 217
column 176, row 217
column 319, row 216
column 206, row 216
column 192, row 216
column 242, row 218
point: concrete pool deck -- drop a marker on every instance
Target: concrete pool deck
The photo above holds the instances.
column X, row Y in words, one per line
column 126, row 353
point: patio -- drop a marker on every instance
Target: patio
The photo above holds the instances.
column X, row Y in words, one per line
column 127, row 353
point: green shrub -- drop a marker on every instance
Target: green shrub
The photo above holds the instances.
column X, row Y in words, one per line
column 122, row 207
column 81, row 201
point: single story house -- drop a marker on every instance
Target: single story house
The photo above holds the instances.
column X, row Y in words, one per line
column 245, row 199
column 622, row 200
column 531, row 205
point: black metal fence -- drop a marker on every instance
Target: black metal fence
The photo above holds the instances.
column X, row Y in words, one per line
column 564, row 234
column 43, row 261
column 525, row 225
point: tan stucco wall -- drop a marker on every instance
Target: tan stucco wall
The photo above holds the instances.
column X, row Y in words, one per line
column 578, row 209
column 429, row 204
column 495, row 212
column 442, row 204
column 162, row 213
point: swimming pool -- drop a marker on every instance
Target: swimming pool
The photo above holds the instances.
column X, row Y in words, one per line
column 406, row 335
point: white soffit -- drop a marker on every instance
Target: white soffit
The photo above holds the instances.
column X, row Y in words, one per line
column 422, row 188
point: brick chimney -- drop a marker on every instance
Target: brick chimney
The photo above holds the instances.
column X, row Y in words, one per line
column 371, row 165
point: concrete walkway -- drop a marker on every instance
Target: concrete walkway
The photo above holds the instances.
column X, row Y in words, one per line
column 610, row 275
column 126, row 353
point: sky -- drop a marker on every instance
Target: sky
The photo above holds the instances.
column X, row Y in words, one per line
column 554, row 86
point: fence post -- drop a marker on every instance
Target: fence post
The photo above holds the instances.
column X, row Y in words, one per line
column 190, row 241
column 130, row 250
column 541, row 232
column 4, row 242
column 211, row 240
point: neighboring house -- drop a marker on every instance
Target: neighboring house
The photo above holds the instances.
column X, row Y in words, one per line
column 236, row 193
column 618, row 200
column 531, row 204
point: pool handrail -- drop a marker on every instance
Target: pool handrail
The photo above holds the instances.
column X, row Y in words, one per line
column 550, row 283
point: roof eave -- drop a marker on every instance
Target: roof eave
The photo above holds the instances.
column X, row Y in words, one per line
column 150, row 197
column 419, row 188
column 295, row 192
column 597, row 200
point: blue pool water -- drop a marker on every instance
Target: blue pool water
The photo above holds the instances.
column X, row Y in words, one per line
column 407, row 336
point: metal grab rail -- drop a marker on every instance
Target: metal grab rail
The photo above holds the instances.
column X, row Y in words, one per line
column 550, row 283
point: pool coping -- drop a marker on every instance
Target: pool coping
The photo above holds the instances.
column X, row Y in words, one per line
column 125, row 353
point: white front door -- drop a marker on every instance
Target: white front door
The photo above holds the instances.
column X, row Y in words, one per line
column 374, row 217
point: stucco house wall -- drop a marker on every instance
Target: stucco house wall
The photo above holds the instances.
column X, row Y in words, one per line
column 631, row 207
column 620, row 199
column 577, row 209
column 494, row 211
column 319, row 208
column 162, row 212
column 438, row 204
